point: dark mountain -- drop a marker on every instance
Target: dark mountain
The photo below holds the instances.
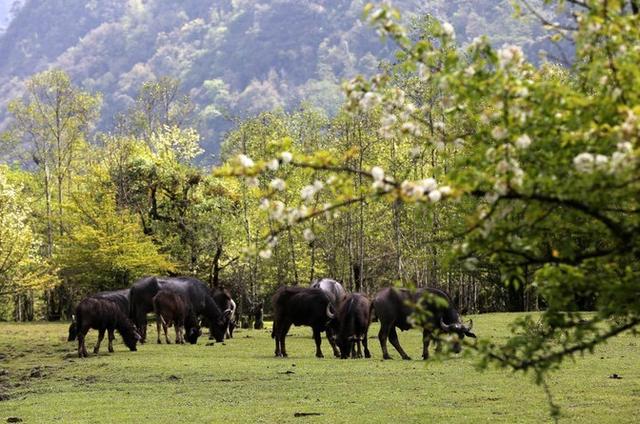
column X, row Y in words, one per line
column 234, row 58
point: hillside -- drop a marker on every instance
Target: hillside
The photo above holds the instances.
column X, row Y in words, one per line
column 234, row 58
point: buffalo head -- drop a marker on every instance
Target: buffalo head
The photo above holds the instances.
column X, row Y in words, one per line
column 460, row 329
column 193, row 334
column 73, row 329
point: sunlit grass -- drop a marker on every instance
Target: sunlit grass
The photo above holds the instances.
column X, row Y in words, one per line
column 242, row 382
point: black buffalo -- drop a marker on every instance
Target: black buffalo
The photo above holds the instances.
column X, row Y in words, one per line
column 195, row 293
column 336, row 294
column 171, row 309
column 300, row 306
column 225, row 302
column 393, row 307
column 103, row 315
column 119, row 297
column 352, row 325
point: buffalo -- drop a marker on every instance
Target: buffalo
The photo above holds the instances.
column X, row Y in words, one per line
column 300, row 306
column 336, row 294
column 103, row 315
column 352, row 325
column 225, row 302
column 394, row 307
column 119, row 297
column 171, row 309
column 193, row 291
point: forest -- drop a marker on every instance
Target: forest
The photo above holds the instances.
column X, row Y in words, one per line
column 447, row 158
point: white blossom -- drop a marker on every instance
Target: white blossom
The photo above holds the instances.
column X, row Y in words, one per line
column 252, row 182
column 272, row 241
column 308, row 234
column 625, row 147
column 601, row 161
column 307, row 192
column 264, row 203
column 265, row 253
column 273, row 165
column 429, row 184
column 439, row 125
column 435, row 195
column 523, row 142
column 388, row 120
column 377, row 173
column 470, row 71
column 584, row 162
column 501, row 187
column 278, row 184
column 286, row 157
column 245, row 161
column 448, row 30
column 370, row 100
column 503, row 166
column 499, row 132
column 277, row 213
column 445, row 190
column 509, row 54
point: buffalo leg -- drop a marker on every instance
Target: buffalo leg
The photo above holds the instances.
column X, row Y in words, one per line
column 383, row 334
column 82, row 350
column 280, row 331
column 111, row 338
column 318, row 339
column 158, row 324
column 165, row 328
column 332, row 341
column 96, row 349
column 179, row 337
column 359, row 353
column 141, row 324
column 426, row 339
column 365, row 343
column 393, row 338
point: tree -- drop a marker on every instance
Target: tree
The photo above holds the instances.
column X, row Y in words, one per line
column 52, row 121
column 23, row 270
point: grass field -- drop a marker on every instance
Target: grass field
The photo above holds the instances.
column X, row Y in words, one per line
column 41, row 381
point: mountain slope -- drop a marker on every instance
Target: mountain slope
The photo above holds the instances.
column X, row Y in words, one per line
column 233, row 57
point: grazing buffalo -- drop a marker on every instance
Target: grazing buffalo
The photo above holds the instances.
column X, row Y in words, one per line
column 193, row 291
column 393, row 308
column 171, row 309
column 336, row 294
column 300, row 306
column 119, row 297
column 103, row 315
column 258, row 316
column 224, row 301
column 351, row 326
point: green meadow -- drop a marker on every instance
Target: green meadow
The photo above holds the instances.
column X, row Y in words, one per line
column 42, row 381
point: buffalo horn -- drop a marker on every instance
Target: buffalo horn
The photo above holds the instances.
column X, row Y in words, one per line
column 330, row 314
column 470, row 325
column 445, row 327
